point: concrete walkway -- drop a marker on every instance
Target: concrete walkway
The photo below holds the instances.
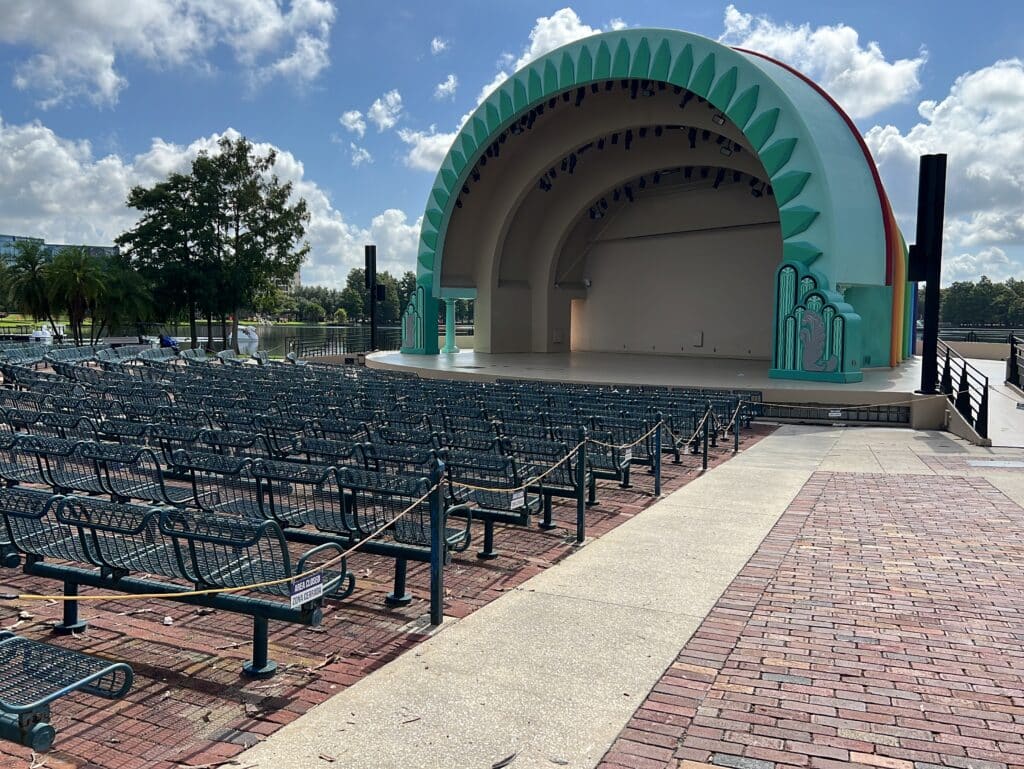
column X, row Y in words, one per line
column 552, row 671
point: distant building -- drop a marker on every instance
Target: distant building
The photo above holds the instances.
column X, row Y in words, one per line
column 8, row 246
column 290, row 285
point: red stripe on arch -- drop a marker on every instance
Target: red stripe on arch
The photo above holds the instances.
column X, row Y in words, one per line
column 888, row 220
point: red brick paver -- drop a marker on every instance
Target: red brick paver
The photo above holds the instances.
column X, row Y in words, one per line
column 880, row 624
column 191, row 707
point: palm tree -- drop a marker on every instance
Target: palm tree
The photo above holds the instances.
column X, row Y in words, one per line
column 75, row 280
column 26, row 282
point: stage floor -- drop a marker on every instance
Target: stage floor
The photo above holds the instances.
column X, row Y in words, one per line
column 612, row 368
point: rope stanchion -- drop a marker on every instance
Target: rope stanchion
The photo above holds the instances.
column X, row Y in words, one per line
column 334, row 560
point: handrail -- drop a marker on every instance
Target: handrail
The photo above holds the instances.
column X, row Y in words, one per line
column 970, row 396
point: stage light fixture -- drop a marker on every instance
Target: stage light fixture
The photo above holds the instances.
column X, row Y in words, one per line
column 757, row 191
column 643, row 183
column 604, row 204
column 705, row 135
column 753, row 181
column 572, row 162
column 658, row 131
column 475, row 175
column 726, row 151
column 688, row 172
column 718, row 118
column 616, row 194
column 458, row 202
column 686, row 99
column 693, row 138
column 565, row 164
column 628, row 191
column 657, row 177
column 719, row 177
column 676, row 90
column 629, row 138
column 595, row 87
column 737, row 175
column 768, row 190
column 483, row 160
column 634, row 86
column 704, row 171
column 608, row 85
column 465, row 189
column 719, row 139
column 566, row 96
column 552, row 172
column 600, row 144
column 551, row 102
column 580, row 93
column 615, row 138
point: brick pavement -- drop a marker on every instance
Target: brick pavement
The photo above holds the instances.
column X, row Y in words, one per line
column 880, row 624
column 191, row 707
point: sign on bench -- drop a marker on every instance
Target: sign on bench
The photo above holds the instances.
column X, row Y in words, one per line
column 306, row 589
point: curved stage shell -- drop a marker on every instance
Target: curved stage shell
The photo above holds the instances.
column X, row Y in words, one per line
column 653, row 191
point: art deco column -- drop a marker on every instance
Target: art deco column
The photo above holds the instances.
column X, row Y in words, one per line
column 449, row 327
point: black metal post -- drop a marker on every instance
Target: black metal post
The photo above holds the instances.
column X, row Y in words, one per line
column 438, row 546
column 1012, row 366
column 963, row 395
column 260, row 666
column 981, row 421
column 657, row 456
column 707, row 419
column 71, row 623
column 371, row 285
column 947, row 377
column 931, row 197
column 399, row 596
column 581, row 482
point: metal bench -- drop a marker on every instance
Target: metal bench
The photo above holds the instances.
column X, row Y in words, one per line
column 220, row 484
column 505, row 502
column 552, row 472
column 33, row 675
column 133, row 473
column 188, row 549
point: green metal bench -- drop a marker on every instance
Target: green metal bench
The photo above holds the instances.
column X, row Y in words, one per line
column 33, row 675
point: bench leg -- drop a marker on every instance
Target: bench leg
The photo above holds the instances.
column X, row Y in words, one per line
column 29, row 729
column 592, row 491
column 546, row 524
column 71, row 623
column 625, row 477
column 259, row 667
column 9, row 557
column 488, row 552
column 400, row 596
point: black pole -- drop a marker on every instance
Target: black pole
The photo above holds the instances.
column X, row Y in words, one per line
column 926, row 260
column 371, row 286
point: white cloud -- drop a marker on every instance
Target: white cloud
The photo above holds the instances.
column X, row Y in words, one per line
column 446, row 88
column 353, row 122
column 549, row 32
column 991, row 261
column 385, row 111
column 427, row 148
column 858, row 76
column 439, row 45
column 57, row 189
column 978, row 124
column 360, row 155
column 77, row 45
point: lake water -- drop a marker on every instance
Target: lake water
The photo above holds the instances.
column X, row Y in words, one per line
column 304, row 339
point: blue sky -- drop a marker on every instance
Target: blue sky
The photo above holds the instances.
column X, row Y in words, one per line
column 98, row 95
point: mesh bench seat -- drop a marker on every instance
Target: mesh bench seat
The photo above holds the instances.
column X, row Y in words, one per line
column 33, row 675
column 505, row 501
column 184, row 549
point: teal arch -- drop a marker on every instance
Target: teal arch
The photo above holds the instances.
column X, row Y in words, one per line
column 755, row 98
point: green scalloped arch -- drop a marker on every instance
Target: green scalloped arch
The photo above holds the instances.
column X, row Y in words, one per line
column 729, row 80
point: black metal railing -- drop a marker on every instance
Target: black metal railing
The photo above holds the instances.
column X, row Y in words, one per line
column 1015, row 361
column 966, row 388
column 351, row 342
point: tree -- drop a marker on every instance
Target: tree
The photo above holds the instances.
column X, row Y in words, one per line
column 258, row 231
column 340, row 316
column 124, row 300
column 220, row 238
column 75, row 280
column 310, row 312
column 27, row 290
